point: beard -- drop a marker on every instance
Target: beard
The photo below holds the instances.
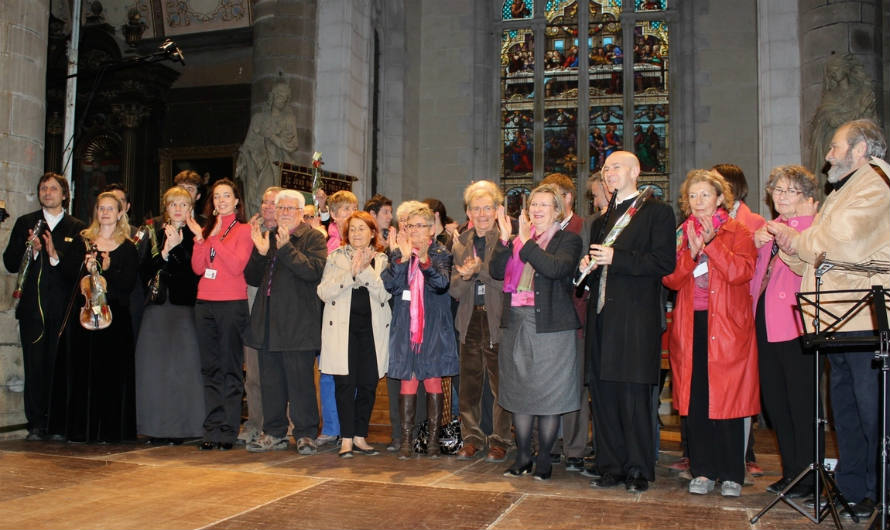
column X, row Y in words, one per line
column 838, row 170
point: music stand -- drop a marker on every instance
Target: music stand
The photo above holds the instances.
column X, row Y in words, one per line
column 832, row 338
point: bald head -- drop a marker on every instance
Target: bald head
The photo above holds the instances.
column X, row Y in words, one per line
column 620, row 173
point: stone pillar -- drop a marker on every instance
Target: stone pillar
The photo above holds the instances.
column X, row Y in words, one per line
column 284, row 35
column 778, row 65
column 130, row 116
column 23, row 41
column 838, row 27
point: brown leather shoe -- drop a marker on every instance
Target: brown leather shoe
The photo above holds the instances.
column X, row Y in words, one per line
column 467, row 452
column 496, row 454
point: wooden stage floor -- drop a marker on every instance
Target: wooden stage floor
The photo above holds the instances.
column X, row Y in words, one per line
column 59, row 485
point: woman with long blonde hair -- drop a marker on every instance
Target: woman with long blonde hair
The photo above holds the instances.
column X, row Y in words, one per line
column 96, row 403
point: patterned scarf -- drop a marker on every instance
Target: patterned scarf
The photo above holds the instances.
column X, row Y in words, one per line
column 415, row 285
column 720, row 217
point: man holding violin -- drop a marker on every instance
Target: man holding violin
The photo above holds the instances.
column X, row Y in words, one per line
column 44, row 291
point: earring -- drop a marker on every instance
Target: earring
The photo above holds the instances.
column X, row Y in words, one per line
column 215, row 212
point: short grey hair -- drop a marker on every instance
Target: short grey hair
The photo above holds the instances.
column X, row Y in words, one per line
column 798, row 176
column 866, row 131
column 291, row 194
column 483, row 188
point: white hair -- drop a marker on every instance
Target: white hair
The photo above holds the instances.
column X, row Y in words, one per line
column 291, row 194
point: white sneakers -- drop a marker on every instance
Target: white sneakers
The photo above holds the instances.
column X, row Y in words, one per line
column 704, row 485
column 701, row 485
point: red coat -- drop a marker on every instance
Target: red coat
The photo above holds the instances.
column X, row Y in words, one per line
column 734, row 384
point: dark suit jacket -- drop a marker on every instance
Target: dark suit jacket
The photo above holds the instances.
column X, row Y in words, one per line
column 53, row 287
column 293, row 309
column 554, row 267
column 629, row 348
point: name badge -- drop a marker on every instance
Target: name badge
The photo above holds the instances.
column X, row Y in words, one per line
column 480, row 289
column 210, row 274
column 406, row 295
column 701, row 268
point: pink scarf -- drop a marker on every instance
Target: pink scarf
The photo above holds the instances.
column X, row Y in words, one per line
column 415, row 285
column 517, row 269
column 721, row 216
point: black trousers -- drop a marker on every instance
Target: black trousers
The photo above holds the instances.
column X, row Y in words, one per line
column 288, row 377
column 219, row 326
column 716, row 447
column 625, row 441
column 39, row 348
column 787, row 388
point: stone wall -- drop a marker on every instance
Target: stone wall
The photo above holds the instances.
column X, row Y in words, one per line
column 23, row 41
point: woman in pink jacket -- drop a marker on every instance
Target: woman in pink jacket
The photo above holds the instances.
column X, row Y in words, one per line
column 786, row 374
column 712, row 345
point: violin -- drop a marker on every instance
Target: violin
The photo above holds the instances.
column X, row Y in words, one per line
column 95, row 313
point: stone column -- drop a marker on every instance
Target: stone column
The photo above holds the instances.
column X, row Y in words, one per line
column 284, row 34
column 838, row 27
column 23, row 41
column 130, row 116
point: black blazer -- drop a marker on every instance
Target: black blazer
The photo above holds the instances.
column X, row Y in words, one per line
column 181, row 280
column 554, row 267
column 629, row 348
column 293, row 310
column 54, row 288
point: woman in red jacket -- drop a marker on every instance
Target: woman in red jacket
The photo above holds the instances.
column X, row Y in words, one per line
column 713, row 350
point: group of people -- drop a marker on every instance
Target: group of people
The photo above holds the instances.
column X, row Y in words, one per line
column 550, row 311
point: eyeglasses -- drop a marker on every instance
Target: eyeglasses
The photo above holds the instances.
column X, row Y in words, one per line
column 790, row 192
column 288, row 209
column 308, row 216
column 478, row 209
column 416, row 227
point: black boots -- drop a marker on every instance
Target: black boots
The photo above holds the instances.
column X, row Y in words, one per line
column 407, row 406
column 434, row 418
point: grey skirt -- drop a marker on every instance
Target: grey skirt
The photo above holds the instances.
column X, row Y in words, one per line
column 538, row 371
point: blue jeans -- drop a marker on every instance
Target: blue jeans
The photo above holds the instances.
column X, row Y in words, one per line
column 330, row 421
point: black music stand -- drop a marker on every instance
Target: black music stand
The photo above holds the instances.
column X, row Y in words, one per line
column 830, row 337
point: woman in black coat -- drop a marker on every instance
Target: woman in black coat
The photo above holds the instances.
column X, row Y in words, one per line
column 422, row 345
column 169, row 388
column 537, row 359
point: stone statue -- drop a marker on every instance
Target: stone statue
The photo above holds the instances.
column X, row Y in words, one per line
column 271, row 137
column 847, row 94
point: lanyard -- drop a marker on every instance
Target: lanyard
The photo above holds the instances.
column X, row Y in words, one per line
column 223, row 236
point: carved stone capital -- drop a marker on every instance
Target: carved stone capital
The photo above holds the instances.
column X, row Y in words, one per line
column 129, row 114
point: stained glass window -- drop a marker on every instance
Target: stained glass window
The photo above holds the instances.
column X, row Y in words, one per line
column 568, row 112
column 514, row 9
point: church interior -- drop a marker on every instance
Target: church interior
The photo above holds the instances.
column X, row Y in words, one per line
column 409, row 99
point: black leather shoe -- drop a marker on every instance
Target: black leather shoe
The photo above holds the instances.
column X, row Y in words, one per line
column 862, row 509
column 573, row 463
column 516, row 470
column 206, row 446
column 778, row 485
column 799, row 491
column 543, row 476
column 34, row 435
column 225, row 446
column 608, row 480
column 591, row 471
column 636, row 485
